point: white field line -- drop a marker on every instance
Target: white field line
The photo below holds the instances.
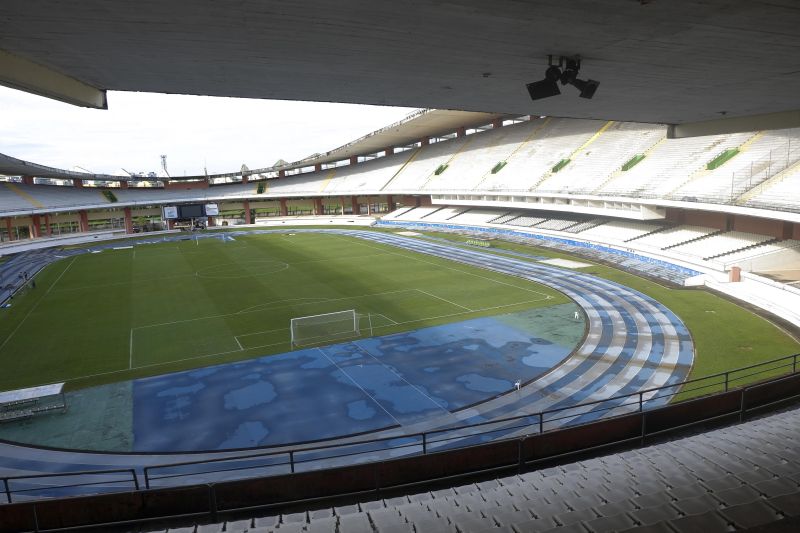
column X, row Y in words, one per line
column 414, row 253
column 277, row 307
column 130, row 351
column 390, row 369
column 359, row 386
column 285, row 343
column 260, row 332
column 444, row 300
column 384, row 316
column 266, row 304
column 36, row 305
column 393, row 323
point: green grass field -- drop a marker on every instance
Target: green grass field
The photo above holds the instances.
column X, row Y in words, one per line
column 158, row 308
column 726, row 336
column 152, row 309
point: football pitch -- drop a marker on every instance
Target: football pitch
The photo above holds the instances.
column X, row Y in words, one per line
column 156, row 308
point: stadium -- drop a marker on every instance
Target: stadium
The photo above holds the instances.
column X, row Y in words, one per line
column 519, row 308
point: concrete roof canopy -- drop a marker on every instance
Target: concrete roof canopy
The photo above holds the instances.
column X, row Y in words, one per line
column 706, row 66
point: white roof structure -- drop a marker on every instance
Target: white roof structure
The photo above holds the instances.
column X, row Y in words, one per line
column 673, row 62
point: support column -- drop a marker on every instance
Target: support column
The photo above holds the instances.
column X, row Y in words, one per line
column 497, row 123
column 123, row 184
column 281, row 173
column 284, row 209
column 10, row 229
column 318, row 206
column 425, row 141
column 735, row 274
column 170, row 224
column 128, row 220
column 390, row 203
column 245, row 179
column 389, row 151
column 353, row 159
column 36, row 223
column 247, row 217
column 356, row 206
column 47, row 230
column 83, row 221
column 211, row 222
column 461, row 132
column 318, row 167
column 76, row 182
column 27, row 180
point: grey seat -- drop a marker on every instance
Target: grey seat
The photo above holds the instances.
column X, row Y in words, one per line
column 751, row 514
column 709, row 521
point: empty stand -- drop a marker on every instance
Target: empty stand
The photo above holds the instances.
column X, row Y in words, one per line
column 674, row 236
column 670, row 164
column 607, row 153
column 720, row 244
column 726, row 479
column 620, row 231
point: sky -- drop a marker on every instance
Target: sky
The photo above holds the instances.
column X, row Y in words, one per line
column 194, row 132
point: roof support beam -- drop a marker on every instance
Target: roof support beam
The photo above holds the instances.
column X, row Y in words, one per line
column 769, row 121
column 24, row 75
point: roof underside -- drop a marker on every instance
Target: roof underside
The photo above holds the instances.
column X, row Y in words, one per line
column 422, row 123
column 662, row 61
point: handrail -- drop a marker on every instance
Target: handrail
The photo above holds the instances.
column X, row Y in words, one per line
column 8, row 492
column 427, row 442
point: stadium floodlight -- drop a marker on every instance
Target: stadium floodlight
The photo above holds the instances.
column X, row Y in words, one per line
column 549, row 85
column 587, row 88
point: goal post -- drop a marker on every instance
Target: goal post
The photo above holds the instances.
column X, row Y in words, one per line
column 315, row 329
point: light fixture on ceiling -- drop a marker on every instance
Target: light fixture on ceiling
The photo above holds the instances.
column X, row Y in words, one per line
column 569, row 76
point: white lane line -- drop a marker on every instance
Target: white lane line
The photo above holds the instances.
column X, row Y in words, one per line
column 36, row 305
column 434, row 402
column 359, row 386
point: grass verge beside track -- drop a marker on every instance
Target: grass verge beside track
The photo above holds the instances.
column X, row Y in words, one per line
column 726, row 335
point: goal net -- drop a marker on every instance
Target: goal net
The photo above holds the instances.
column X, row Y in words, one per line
column 316, row 329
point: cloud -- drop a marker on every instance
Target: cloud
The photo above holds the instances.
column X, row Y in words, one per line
column 193, row 131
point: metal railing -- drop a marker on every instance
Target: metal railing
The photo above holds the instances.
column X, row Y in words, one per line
column 272, row 462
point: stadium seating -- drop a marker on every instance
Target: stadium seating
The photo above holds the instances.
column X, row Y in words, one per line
column 475, row 162
column 782, row 195
column 549, row 140
column 671, row 164
column 417, row 213
column 557, row 223
column 475, row 216
column 445, row 214
column 673, row 236
column 620, row 231
column 721, row 243
column 757, row 162
column 525, row 221
column 421, row 164
column 612, row 148
column 725, row 479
